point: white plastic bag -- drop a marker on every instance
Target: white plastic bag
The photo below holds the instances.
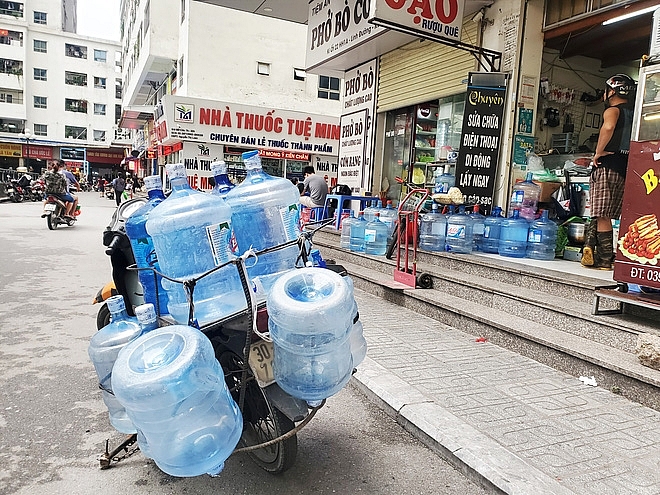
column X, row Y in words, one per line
column 534, row 162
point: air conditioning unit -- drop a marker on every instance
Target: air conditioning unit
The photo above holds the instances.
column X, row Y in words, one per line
column 654, row 51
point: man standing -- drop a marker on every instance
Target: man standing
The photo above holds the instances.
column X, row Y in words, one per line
column 610, row 162
column 118, row 185
column 317, row 188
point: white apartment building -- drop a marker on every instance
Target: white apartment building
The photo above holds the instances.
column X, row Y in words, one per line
column 60, row 93
column 226, row 63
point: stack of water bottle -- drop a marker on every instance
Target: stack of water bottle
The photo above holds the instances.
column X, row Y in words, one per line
column 370, row 231
column 519, row 235
column 166, row 384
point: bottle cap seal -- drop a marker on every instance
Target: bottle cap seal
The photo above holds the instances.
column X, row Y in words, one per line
column 176, row 170
column 116, row 304
column 145, row 313
column 153, row 182
column 251, row 159
column 219, row 168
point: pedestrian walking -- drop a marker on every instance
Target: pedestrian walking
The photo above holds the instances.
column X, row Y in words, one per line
column 118, row 186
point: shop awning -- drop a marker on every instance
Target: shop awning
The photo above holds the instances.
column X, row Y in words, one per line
column 136, row 117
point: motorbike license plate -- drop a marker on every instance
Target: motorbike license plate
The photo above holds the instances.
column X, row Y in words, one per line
column 261, row 362
column 50, row 207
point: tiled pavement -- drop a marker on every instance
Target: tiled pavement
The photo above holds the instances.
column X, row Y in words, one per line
column 513, row 424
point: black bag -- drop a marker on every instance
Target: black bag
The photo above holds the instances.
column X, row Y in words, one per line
column 572, row 193
column 342, row 190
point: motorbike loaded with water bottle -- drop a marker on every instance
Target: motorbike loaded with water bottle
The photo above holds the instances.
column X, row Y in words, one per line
column 271, row 416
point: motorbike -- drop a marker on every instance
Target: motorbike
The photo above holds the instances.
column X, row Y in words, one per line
column 271, row 416
column 54, row 209
column 109, row 192
column 38, row 190
column 15, row 192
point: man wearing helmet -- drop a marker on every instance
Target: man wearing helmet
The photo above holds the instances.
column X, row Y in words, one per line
column 610, row 162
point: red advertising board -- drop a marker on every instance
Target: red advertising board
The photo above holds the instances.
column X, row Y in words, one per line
column 638, row 254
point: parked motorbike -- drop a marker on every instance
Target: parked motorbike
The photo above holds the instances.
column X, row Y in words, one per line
column 271, row 416
column 109, row 192
column 54, row 209
column 15, row 192
column 38, row 190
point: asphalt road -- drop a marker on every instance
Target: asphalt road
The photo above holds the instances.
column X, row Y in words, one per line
column 53, row 424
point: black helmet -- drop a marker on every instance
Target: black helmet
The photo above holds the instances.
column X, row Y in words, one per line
column 621, row 84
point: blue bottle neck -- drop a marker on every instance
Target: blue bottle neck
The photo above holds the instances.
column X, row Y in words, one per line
column 223, row 180
column 119, row 315
column 155, row 194
column 180, row 184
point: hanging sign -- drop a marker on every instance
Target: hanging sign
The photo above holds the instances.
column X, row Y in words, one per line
column 476, row 166
column 431, row 19
column 351, row 149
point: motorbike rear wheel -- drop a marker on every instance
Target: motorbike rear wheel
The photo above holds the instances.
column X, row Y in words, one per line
column 261, row 420
column 51, row 222
column 103, row 316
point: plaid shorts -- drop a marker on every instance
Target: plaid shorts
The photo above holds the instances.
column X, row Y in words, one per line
column 606, row 193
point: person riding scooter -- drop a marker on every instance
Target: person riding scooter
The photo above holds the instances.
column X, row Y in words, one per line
column 57, row 186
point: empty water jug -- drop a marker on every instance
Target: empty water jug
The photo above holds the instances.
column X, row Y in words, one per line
column 432, row 230
column 513, row 236
column 310, row 315
column 345, row 239
column 357, row 234
column 192, row 233
column 444, row 181
column 103, row 350
column 223, row 183
column 525, row 198
column 459, row 232
column 265, row 213
column 142, row 245
column 372, row 207
column 389, row 216
column 375, row 236
column 174, row 390
column 491, row 238
column 542, row 238
column 478, row 225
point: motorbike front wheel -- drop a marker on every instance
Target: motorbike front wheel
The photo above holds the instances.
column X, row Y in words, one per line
column 261, row 420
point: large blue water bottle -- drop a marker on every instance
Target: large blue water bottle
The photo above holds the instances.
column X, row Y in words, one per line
column 371, row 209
column 310, row 318
column 265, row 213
column 103, row 350
column 174, row 391
column 444, row 181
column 192, row 233
column 143, row 246
column 432, row 230
column 513, row 236
column 389, row 216
column 491, row 238
column 223, row 183
column 375, row 236
column 542, row 238
column 459, row 232
column 525, row 198
column 357, row 234
column 478, row 225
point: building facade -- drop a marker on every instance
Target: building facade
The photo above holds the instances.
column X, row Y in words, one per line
column 60, row 93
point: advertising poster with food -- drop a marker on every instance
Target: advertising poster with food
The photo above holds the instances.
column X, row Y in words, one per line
column 638, row 254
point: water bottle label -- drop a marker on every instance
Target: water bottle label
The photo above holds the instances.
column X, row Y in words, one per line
column 143, row 249
column 535, row 236
column 486, row 231
column 517, row 196
column 455, row 231
column 438, row 228
column 222, row 241
column 291, row 221
column 369, row 235
column 176, row 170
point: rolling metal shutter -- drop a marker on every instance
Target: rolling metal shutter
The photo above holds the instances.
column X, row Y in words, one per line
column 424, row 70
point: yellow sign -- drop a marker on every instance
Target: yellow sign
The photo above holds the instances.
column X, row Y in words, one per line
column 11, row 149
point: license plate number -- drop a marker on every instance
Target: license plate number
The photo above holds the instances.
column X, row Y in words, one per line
column 261, row 362
column 50, row 207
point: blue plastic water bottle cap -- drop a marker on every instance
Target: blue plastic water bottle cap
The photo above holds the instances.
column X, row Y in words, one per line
column 176, row 170
column 116, row 304
column 145, row 313
column 249, row 154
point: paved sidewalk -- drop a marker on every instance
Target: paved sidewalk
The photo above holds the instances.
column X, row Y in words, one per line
column 506, row 420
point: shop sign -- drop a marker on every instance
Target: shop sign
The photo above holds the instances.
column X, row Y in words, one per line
column 328, row 167
column 359, row 94
column 11, row 150
column 430, row 18
column 72, row 154
column 351, row 149
column 38, row 152
column 214, row 122
column 286, row 155
column 152, row 154
column 166, row 150
column 197, row 158
column 522, row 145
column 105, row 156
column 476, row 166
column 638, row 247
column 337, row 26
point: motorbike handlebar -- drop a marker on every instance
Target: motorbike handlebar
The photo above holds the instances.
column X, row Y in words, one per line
column 114, row 243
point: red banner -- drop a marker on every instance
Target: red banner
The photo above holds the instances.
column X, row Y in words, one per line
column 113, row 157
column 38, row 152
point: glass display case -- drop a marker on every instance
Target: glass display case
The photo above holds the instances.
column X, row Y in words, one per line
column 646, row 124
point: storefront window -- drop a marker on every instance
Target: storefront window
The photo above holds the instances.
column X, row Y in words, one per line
column 450, row 121
column 272, row 166
column 396, row 152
